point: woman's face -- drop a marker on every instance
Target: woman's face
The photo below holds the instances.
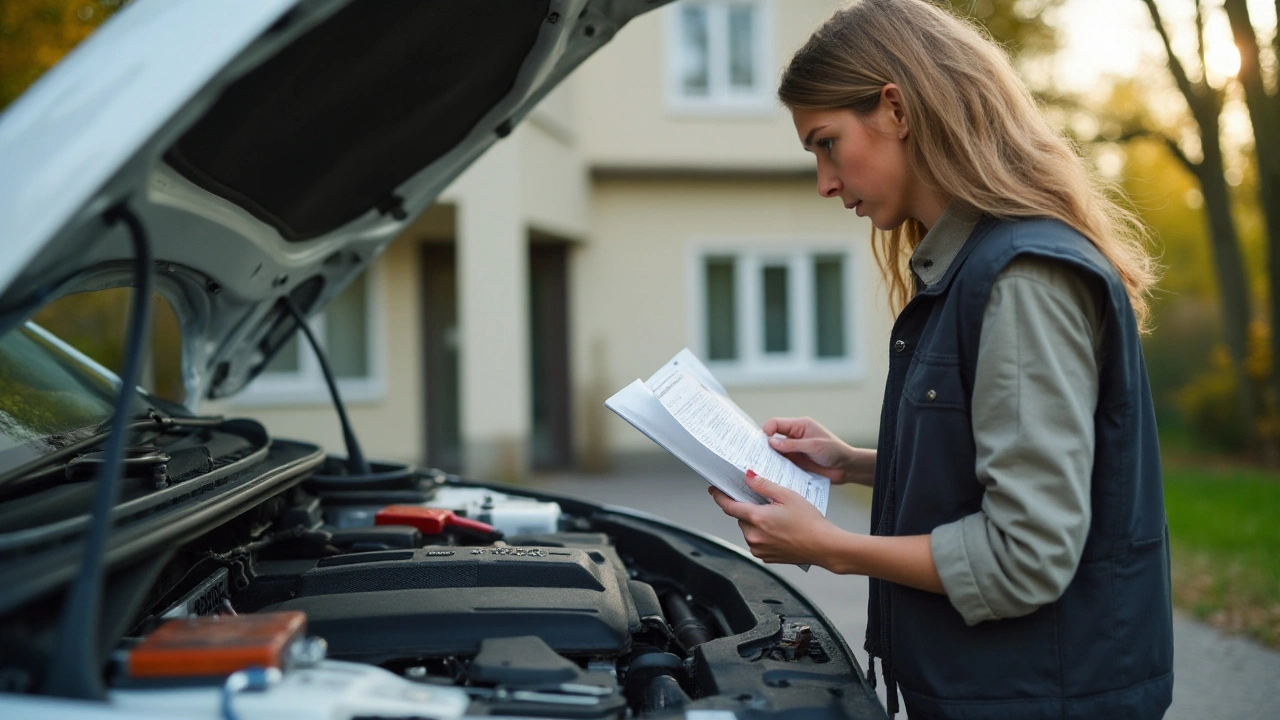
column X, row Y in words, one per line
column 862, row 159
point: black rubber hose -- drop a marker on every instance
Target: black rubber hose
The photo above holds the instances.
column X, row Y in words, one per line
column 663, row 695
column 689, row 630
column 75, row 668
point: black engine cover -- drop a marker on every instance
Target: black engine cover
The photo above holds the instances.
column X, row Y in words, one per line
column 439, row 601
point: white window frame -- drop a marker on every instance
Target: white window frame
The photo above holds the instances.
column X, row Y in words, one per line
column 721, row 99
column 800, row 365
column 307, row 385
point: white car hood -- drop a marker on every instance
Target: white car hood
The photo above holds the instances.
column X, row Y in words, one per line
column 271, row 149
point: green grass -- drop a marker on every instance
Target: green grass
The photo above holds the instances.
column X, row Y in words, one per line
column 1224, row 523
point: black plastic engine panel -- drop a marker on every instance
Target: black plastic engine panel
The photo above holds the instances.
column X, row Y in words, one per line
column 439, row 600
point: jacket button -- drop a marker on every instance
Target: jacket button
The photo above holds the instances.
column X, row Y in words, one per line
column 931, row 395
column 899, row 346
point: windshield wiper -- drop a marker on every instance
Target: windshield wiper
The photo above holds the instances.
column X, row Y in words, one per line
column 151, row 421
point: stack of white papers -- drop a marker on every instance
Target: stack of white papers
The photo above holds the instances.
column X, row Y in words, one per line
column 684, row 409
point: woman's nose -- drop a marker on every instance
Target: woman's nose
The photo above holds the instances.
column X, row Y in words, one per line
column 829, row 185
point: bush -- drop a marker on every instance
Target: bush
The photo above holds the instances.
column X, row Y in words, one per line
column 1210, row 408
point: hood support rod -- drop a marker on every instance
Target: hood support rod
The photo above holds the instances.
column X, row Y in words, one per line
column 356, row 464
column 75, row 668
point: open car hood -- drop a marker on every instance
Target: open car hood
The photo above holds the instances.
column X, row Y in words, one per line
column 271, row 149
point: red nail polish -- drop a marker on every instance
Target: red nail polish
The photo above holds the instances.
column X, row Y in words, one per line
column 751, row 473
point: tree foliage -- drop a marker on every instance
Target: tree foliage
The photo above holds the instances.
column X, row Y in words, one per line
column 35, row 34
column 1021, row 26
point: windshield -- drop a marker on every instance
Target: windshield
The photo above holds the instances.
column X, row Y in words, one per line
column 49, row 396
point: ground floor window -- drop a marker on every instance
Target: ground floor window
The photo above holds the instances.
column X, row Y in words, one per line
column 347, row 329
column 773, row 314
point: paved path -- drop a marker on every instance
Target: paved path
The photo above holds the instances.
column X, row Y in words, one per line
column 1217, row 677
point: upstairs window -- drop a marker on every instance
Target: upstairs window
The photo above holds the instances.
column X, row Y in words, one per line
column 718, row 55
column 775, row 316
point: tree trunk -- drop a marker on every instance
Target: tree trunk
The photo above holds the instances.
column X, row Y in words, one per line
column 1269, row 198
column 1233, row 281
column 1264, row 116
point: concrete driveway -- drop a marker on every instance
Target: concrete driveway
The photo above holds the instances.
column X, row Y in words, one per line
column 1217, row 677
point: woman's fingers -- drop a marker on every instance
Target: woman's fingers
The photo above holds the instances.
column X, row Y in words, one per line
column 791, row 427
column 804, row 462
column 770, row 489
column 786, row 445
column 731, row 507
column 813, row 455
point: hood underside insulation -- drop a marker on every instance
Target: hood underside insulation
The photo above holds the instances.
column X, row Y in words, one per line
column 326, row 130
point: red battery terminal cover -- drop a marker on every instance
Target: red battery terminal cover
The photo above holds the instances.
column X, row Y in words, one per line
column 433, row 521
column 217, row 645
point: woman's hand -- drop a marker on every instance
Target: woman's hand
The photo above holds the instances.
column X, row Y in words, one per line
column 791, row 530
column 815, row 449
column 788, row 530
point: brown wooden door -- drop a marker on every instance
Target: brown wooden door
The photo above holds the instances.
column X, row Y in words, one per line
column 440, row 356
column 551, row 444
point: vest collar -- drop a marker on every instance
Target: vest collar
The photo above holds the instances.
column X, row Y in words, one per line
column 938, row 250
column 979, row 230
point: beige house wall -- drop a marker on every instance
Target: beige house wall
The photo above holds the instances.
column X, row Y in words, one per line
column 634, row 283
column 627, row 120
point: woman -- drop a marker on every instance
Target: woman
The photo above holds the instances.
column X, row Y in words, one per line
column 1019, row 554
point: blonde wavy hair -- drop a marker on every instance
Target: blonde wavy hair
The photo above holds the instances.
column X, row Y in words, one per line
column 977, row 134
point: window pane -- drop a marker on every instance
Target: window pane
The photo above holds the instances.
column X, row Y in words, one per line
column 721, row 320
column 776, row 339
column 742, row 39
column 286, row 360
column 695, row 72
column 828, row 303
column 346, row 335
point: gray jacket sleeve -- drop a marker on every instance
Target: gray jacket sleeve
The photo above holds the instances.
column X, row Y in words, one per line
column 1034, row 395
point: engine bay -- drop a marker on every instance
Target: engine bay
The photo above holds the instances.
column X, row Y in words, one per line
column 514, row 605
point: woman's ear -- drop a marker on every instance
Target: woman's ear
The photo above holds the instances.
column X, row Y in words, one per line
column 892, row 105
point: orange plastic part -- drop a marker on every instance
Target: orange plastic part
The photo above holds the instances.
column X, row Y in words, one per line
column 217, row 645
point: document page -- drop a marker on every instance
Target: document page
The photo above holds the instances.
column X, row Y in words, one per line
column 637, row 405
column 687, row 361
column 720, row 425
column 686, row 411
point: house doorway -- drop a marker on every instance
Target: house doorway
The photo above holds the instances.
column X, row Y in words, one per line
column 440, row 356
column 551, row 442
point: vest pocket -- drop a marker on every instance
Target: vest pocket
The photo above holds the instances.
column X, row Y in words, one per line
column 934, row 451
column 1143, row 613
column 935, row 383
column 1116, row 622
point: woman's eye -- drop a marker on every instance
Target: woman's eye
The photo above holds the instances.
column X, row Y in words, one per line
column 827, row 145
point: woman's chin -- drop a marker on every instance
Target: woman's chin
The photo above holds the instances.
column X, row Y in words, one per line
column 885, row 224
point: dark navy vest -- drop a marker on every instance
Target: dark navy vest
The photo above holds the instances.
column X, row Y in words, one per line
column 1105, row 648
